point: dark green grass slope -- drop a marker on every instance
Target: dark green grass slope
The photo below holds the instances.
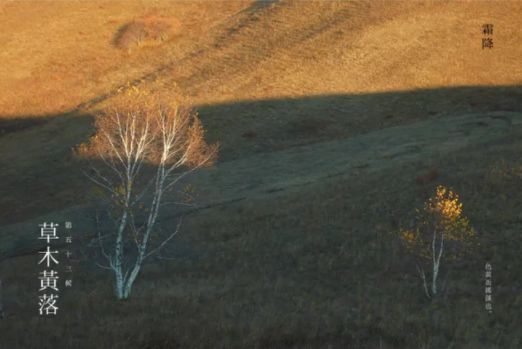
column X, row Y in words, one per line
column 314, row 269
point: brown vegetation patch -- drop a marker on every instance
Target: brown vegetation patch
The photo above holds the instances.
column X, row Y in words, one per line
column 307, row 127
column 146, row 31
column 427, row 177
column 249, row 134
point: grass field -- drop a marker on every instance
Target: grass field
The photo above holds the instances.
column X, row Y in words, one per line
column 331, row 115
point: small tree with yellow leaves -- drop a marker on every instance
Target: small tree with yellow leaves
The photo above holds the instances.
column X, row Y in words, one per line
column 440, row 230
column 142, row 147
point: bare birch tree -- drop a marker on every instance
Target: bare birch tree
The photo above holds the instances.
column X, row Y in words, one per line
column 142, row 147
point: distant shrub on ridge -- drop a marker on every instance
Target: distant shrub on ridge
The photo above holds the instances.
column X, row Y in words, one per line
column 146, row 31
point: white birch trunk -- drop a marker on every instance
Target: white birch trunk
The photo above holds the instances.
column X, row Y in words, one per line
column 436, row 259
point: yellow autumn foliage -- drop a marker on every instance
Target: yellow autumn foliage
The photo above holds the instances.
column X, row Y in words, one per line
column 442, row 214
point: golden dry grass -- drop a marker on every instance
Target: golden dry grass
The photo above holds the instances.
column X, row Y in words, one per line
column 56, row 55
column 287, row 50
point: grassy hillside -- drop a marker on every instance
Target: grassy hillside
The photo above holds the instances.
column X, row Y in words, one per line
column 235, row 53
column 343, row 98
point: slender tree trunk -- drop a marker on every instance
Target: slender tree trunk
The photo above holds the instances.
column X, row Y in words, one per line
column 118, row 269
column 424, row 284
column 434, row 280
column 437, row 255
column 1, row 302
column 132, row 277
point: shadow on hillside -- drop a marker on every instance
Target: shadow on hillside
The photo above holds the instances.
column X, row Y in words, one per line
column 39, row 173
column 40, row 176
column 267, row 125
column 18, row 124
